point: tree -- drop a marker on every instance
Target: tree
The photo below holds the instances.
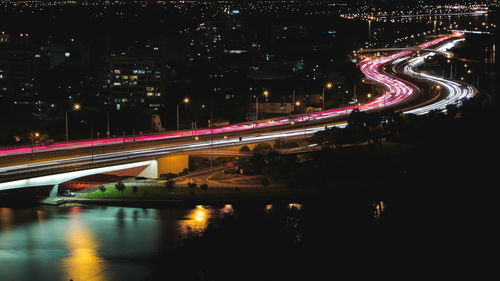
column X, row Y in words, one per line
column 120, row 186
column 102, row 188
column 170, row 185
column 245, row 148
column 262, row 147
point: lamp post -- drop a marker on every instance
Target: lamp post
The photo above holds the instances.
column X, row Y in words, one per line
column 33, row 141
column 329, row 86
column 266, row 94
column 185, row 100
column 76, row 107
column 107, row 124
column 91, row 139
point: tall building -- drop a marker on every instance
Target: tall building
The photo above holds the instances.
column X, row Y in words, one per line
column 20, row 64
column 132, row 81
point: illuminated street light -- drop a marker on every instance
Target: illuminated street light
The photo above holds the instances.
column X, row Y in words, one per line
column 186, row 101
column 76, row 107
column 328, row 85
column 33, row 141
column 266, row 94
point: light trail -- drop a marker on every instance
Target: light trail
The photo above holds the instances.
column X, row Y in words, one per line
column 152, row 152
column 456, row 91
column 398, row 92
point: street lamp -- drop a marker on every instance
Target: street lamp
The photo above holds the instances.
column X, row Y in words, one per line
column 266, row 94
column 329, row 86
column 186, row 101
column 76, row 107
column 33, row 140
column 91, row 139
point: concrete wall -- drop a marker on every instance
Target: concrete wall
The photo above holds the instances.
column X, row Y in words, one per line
column 172, row 164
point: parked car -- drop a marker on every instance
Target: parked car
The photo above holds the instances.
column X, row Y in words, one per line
column 67, row 193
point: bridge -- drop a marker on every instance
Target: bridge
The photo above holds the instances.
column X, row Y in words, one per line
column 149, row 156
column 417, row 50
column 143, row 160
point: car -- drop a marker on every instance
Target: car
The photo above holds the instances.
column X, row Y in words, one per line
column 67, row 193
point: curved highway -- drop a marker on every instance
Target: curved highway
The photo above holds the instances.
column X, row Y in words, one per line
column 455, row 91
column 398, row 92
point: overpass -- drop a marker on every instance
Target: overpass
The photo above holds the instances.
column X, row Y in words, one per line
column 446, row 54
column 53, row 164
column 146, row 162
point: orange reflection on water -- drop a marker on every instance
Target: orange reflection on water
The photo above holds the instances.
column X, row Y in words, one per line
column 83, row 262
column 5, row 218
column 227, row 210
column 196, row 220
column 295, row 206
column 378, row 211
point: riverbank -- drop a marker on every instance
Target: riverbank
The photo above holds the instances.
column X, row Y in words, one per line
column 152, row 193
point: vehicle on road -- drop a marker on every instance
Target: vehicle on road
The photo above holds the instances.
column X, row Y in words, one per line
column 67, row 193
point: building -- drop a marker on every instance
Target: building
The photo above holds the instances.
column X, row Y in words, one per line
column 132, row 81
column 20, row 64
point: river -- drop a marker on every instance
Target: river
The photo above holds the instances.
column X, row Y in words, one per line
column 78, row 242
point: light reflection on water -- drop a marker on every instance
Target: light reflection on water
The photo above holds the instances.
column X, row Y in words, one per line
column 5, row 219
column 83, row 262
column 104, row 243
column 378, row 210
column 196, row 220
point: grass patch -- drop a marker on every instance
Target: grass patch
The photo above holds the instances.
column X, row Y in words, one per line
column 160, row 192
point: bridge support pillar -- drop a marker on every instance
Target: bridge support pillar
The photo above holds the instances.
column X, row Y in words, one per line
column 54, row 191
column 173, row 164
column 151, row 171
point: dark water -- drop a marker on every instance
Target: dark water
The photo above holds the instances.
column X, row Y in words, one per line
column 292, row 241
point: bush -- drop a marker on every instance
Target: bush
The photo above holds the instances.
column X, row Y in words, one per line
column 245, row 148
column 262, row 147
column 192, row 184
column 170, row 185
column 120, row 186
column 204, row 186
column 168, row 176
